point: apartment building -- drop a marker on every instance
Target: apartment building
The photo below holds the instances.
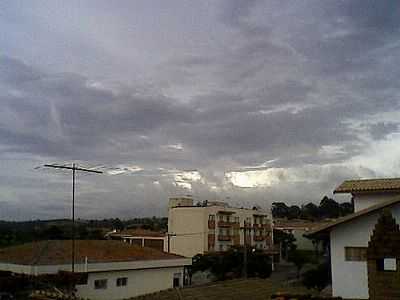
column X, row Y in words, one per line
column 215, row 226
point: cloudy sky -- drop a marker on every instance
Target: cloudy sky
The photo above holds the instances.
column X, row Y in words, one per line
column 250, row 101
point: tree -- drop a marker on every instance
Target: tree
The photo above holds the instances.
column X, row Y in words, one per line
column 346, row 208
column 329, row 208
column 229, row 264
column 318, row 278
column 293, row 212
column 299, row 258
column 279, row 210
column 286, row 240
column 310, row 212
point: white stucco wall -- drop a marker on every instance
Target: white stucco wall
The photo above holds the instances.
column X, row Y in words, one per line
column 349, row 278
column 140, row 282
column 365, row 200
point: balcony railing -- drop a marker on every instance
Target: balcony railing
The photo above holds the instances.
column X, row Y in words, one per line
column 224, row 238
column 225, row 224
column 259, row 238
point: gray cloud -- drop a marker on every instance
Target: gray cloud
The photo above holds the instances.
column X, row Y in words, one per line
column 234, row 84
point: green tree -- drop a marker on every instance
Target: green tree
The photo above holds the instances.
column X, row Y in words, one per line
column 299, row 258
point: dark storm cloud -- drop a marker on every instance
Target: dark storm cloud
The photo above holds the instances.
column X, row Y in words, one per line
column 240, row 83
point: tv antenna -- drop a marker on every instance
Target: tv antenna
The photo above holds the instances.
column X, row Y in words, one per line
column 74, row 167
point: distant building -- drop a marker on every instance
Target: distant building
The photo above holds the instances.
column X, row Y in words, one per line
column 365, row 246
column 215, row 226
column 141, row 237
column 114, row 270
column 298, row 228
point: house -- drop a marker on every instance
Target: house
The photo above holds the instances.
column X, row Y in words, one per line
column 299, row 228
column 364, row 246
column 114, row 270
column 141, row 237
column 215, row 226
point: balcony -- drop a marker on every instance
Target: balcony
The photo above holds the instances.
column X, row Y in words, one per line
column 256, row 225
column 224, row 238
column 259, row 238
column 211, row 224
column 247, row 225
column 225, row 224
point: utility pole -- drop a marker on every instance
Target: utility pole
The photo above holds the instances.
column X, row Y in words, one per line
column 73, row 168
column 245, row 251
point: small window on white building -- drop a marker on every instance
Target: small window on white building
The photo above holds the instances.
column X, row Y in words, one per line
column 100, row 284
column 123, row 281
column 387, row 264
column 355, row 253
column 177, row 280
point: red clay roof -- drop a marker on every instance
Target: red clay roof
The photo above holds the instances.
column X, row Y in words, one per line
column 369, row 185
column 59, row 252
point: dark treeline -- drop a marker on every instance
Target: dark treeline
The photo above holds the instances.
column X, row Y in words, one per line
column 14, row 233
column 327, row 208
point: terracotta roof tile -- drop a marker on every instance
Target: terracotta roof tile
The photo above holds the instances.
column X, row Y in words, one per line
column 368, row 185
column 59, row 252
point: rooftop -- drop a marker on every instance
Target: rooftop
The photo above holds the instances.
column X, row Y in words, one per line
column 348, row 218
column 369, row 185
column 59, row 252
column 138, row 232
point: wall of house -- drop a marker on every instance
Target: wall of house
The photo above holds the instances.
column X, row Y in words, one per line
column 365, row 200
column 189, row 226
column 349, row 278
column 139, row 282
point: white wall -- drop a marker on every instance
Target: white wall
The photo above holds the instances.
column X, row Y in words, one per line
column 365, row 200
column 140, row 282
column 349, row 278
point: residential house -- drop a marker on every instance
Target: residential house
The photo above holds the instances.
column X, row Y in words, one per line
column 215, row 226
column 353, row 240
column 114, row 270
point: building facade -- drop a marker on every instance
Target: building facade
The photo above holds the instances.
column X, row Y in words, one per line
column 214, row 227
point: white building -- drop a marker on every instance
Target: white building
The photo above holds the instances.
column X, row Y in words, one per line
column 350, row 236
column 215, row 226
column 114, row 270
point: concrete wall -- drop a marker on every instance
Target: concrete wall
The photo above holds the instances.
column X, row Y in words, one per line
column 139, row 282
column 349, row 278
column 190, row 228
column 365, row 200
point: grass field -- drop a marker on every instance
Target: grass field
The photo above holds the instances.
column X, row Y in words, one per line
column 256, row 289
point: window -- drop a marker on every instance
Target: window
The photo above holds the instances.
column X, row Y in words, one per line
column 355, row 253
column 123, row 281
column 177, row 280
column 386, row 264
column 211, row 218
column 100, row 284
